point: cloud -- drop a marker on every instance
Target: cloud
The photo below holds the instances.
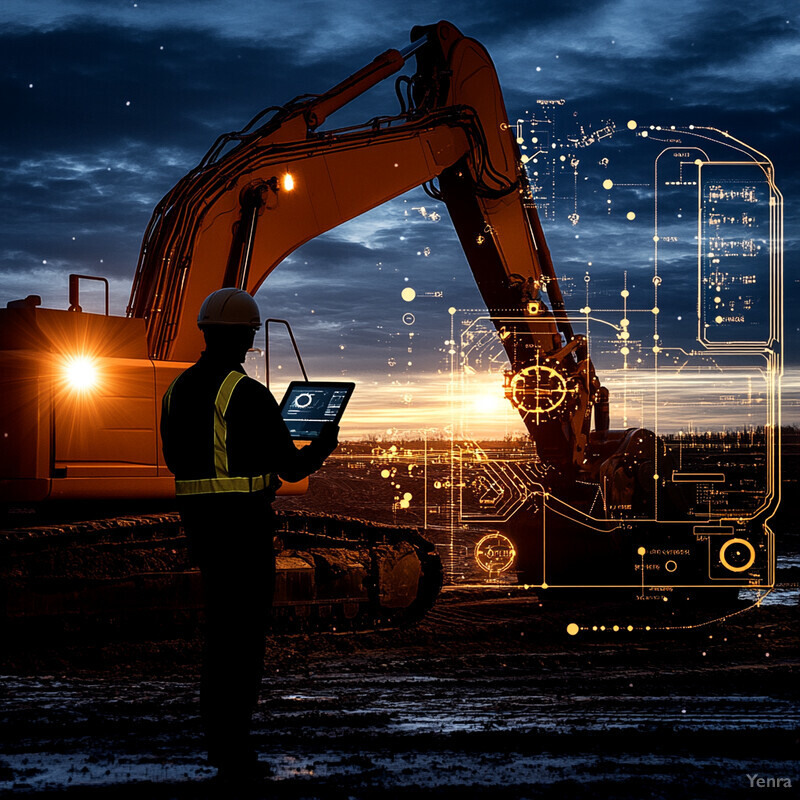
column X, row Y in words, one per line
column 78, row 161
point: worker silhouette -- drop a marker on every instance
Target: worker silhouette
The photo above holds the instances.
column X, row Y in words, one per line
column 224, row 439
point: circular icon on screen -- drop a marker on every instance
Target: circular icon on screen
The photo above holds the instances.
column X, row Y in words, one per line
column 303, row 400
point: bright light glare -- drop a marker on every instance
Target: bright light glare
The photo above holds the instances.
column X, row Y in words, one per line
column 81, row 372
column 490, row 402
column 288, row 182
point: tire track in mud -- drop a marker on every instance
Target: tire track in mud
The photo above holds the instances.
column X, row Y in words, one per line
column 488, row 694
column 403, row 730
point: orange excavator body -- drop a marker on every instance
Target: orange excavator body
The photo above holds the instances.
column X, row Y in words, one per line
column 81, row 392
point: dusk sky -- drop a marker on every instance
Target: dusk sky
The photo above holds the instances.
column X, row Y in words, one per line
column 108, row 104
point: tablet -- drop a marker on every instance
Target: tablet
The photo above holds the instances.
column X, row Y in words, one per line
column 307, row 406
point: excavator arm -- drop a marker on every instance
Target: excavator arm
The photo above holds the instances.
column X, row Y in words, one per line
column 264, row 191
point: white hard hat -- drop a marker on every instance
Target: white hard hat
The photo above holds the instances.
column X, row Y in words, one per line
column 229, row 307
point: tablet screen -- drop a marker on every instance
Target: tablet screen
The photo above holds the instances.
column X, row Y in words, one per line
column 306, row 407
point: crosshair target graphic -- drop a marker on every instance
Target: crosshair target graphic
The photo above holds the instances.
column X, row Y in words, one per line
column 538, row 389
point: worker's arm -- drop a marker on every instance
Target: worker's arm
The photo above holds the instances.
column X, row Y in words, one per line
column 259, row 441
column 311, row 457
column 166, row 439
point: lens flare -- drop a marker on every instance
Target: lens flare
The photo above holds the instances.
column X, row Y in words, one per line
column 81, row 373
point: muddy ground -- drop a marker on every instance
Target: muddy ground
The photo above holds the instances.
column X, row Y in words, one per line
column 489, row 696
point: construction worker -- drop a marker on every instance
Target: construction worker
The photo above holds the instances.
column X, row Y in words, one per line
column 225, row 441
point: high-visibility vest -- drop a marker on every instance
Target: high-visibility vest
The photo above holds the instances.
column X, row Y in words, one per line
column 222, row 481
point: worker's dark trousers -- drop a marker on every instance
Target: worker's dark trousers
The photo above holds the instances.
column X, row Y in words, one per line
column 230, row 539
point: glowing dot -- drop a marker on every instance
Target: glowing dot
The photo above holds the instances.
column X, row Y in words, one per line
column 630, row 628
column 631, row 215
column 407, row 496
column 644, row 134
column 616, row 627
column 451, row 310
column 602, row 627
column 698, row 161
column 625, row 293
column 655, row 477
column 624, row 335
column 562, row 158
column 631, row 124
column 718, row 320
column 127, row 102
column 607, row 184
column 641, row 551
column 624, row 323
column 655, row 309
column 408, row 294
column 717, row 300
column 538, row 69
column 385, row 473
column 288, row 182
column 572, row 629
column 520, row 140
column 656, row 239
column 647, row 627
column 625, row 351
column 404, row 504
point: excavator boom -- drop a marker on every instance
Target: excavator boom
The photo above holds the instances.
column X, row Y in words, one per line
column 233, row 219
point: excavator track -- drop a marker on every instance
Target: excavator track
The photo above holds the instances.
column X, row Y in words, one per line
column 129, row 574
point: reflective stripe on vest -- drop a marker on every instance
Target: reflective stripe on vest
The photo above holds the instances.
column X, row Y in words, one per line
column 220, row 426
column 219, row 485
column 223, row 482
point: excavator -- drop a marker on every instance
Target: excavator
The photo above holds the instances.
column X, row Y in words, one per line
column 80, row 392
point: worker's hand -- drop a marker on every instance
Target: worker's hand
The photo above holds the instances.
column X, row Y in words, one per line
column 328, row 439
